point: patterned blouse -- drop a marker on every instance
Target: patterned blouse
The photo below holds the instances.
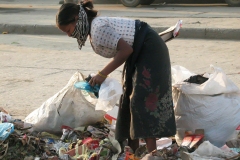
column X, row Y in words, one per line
column 106, row 32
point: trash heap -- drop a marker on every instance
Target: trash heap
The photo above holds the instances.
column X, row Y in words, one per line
column 90, row 142
column 93, row 142
column 96, row 142
column 75, row 125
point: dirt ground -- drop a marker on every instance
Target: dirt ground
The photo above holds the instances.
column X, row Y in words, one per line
column 33, row 68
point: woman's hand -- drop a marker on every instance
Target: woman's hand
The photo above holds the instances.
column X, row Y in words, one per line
column 96, row 80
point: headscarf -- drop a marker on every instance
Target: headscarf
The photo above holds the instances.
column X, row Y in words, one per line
column 82, row 28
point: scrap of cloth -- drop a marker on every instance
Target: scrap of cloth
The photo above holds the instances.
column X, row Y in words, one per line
column 146, row 106
column 81, row 29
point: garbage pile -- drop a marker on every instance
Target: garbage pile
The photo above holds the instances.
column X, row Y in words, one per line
column 80, row 143
column 68, row 126
column 93, row 142
column 96, row 142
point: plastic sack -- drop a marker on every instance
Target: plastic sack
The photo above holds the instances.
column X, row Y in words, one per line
column 218, row 82
column 109, row 94
column 213, row 106
column 179, row 74
column 207, row 151
column 5, row 130
column 70, row 107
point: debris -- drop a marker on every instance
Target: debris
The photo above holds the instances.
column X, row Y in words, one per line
column 5, row 130
column 96, row 141
column 208, row 151
column 192, row 140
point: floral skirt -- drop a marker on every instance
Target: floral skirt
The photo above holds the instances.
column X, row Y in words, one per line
column 150, row 113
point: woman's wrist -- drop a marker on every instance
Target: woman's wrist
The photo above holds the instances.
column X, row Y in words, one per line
column 102, row 75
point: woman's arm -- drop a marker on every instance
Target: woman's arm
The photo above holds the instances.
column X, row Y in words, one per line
column 124, row 50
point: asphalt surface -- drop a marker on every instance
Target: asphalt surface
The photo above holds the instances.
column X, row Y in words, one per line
column 205, row 21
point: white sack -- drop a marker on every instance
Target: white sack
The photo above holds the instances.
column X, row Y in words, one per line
column 218, row 82
column 207, row 151
column 179, row 74
column 109, row 94
column 199, row 107
column 76, row 108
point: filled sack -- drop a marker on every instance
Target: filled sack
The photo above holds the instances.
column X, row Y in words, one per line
column 213, row 105
column 70, row 107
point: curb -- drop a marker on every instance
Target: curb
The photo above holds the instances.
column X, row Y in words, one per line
column 30, row 29
column 207, row 33
column 196, row 33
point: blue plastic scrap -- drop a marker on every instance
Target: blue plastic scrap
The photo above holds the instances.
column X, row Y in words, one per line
column 87, row 87
column 5, row 130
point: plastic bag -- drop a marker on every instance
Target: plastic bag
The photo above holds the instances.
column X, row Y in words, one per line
column 4, row 117
column 5, row 130
column 213, row 106
column 207, row 151
column 109, row 94
column 70, row 107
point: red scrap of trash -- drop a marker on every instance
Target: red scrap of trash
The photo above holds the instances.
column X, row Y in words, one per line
column 66, row 127
column 91, row 143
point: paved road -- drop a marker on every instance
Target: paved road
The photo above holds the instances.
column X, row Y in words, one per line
column 200, row 21
column 23, row 11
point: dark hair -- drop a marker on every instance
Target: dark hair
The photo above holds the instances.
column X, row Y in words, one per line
column 67, row 12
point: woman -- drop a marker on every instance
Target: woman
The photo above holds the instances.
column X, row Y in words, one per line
column 146, row 107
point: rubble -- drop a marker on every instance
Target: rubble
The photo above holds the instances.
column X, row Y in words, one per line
column 93, row 142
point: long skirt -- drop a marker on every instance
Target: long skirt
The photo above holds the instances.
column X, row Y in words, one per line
column 150, row 113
